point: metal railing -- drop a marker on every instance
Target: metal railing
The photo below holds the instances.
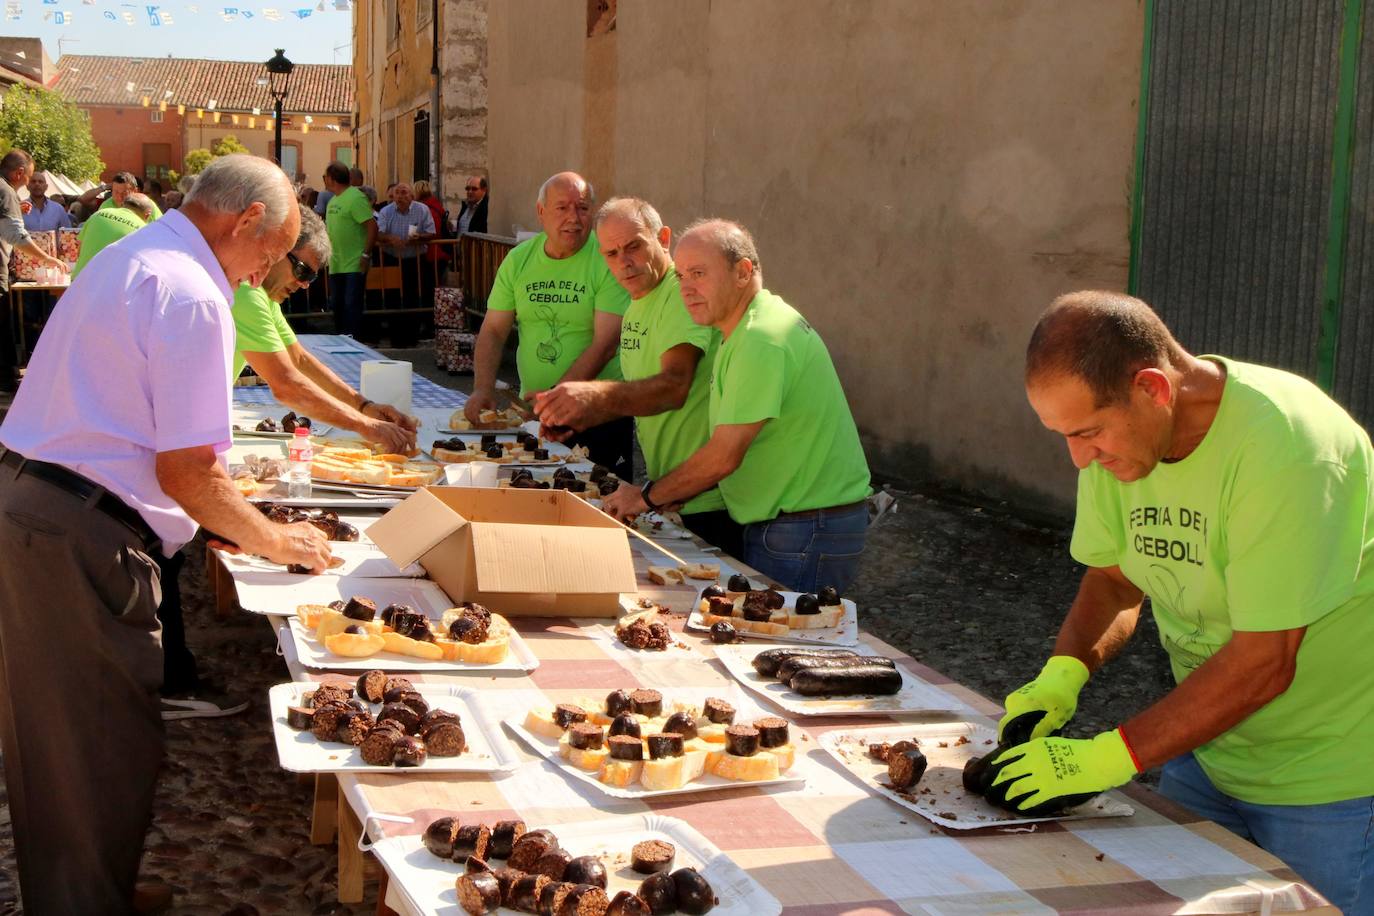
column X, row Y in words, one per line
column 469, row 262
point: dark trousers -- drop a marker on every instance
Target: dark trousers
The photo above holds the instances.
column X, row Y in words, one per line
column 403, row 329
column 179, row 673
column 611, row 445
column 7, row 339
column 80, row 723
column 718, row 529
column 346, row 299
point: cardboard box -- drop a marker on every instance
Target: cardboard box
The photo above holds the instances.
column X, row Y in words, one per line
column 522, row 553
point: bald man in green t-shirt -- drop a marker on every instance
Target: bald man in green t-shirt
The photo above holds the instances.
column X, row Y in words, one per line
column 265, row 341
column 783, row 446
column 1240, row 499
column 666, row 360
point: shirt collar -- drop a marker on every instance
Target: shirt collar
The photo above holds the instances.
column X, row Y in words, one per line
column 199, row 248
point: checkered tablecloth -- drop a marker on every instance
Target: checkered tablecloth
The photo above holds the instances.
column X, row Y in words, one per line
column 832, row 846
column 345, row 357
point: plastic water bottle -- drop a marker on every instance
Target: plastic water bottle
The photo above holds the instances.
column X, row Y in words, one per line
column 300, row 452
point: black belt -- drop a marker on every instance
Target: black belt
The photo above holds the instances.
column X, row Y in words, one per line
column 87, row 490
column 817, row 513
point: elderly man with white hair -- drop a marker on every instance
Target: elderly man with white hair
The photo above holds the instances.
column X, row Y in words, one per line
column 111, row 456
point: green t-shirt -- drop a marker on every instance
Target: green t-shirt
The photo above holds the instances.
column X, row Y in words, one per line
column 555, row 305
column 104, row 228
column 775, row 367
column 1268, row 525
column 109, row 204
column 345, row 218
column 259, row 325
column 652, row 326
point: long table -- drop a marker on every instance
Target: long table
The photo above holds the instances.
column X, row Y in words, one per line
column 831, row 846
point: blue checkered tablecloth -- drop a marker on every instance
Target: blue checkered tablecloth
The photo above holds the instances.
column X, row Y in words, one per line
column 345, row 357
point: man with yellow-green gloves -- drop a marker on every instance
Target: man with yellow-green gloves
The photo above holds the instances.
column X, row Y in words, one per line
column 108, row 226
column 783, row 447
column 568, row 307
column 666, row 360
column 1239, row 499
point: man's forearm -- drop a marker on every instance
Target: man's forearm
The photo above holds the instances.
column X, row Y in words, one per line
column 207, row 494
column 1224, row 691
column 301, row 394
column 487, row 359
column 706, row 467
column 1100, row 621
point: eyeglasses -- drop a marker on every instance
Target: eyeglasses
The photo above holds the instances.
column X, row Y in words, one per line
column 301, row 270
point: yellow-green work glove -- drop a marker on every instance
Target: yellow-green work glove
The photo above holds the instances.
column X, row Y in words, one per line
column 1053, row 692
column 1046, row 775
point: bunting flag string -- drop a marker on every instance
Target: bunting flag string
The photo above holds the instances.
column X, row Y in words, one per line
column 163, row 14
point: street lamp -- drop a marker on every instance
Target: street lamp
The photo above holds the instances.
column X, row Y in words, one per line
column 279, row 78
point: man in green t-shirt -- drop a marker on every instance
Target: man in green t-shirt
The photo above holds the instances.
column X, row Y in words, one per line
column 109, row 226
column 265, row 341
column 353, row 234
column 558, row 290
column 783, row 448
column 665, row 358
column 1239, row 499
column 121, row 186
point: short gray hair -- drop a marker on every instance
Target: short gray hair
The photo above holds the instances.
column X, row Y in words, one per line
column 732, row 239
column 631, row 208
column 549, row 182
column 233, row 183
column 313, row 235
column 141, row 204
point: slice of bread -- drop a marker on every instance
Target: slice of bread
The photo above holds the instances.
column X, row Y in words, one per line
column 665, row 575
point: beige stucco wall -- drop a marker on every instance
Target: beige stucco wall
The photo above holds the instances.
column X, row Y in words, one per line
column 922, row 177
column 317, row 144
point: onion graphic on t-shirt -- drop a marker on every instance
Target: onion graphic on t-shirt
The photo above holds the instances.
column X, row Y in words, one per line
column 551, row 348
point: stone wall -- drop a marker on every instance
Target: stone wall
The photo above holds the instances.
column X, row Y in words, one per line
column 463, row 63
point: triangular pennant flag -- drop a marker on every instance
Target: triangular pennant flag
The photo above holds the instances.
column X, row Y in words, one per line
column 271, row 13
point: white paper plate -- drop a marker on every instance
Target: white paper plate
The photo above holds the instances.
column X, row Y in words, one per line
column 846, row 634
column 426, row 882
column 249, row 433
column 745, row 711
column 916, row 696
column 314, row 655
column 660, row 527
column 489, row 750
column 940, row 795
column 324, row 499
column 279, row 593
column 360, row 560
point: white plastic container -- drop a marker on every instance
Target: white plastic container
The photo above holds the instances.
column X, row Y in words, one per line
column 300, row 452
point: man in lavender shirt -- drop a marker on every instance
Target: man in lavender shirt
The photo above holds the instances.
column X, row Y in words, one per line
column 110, row 455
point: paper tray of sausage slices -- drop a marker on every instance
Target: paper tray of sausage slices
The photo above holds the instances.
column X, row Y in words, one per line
column 815, row 681
column 922, row 767
column 384, row 721
column 644, row 744
column 662, row 861
column 353, row 635
column 765, row 613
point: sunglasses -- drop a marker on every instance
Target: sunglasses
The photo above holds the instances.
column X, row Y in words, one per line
column 301, row 270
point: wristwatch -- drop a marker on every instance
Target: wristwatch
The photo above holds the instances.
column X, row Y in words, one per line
column 644, row 495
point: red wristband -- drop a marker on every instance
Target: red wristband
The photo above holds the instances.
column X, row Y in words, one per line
column 1130, row 750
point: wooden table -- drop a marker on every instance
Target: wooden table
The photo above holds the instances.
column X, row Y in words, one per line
column 831, row 846
column 16, row 292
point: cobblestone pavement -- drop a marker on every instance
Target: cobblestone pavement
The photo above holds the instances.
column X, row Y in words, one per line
column 972, row 590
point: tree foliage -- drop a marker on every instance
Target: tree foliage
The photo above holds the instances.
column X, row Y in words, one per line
column 52, row 130
column 226, row 145
column 198, row 159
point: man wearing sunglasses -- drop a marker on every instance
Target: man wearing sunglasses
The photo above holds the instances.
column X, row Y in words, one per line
column 297, row 379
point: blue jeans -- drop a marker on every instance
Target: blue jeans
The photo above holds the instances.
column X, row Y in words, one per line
column 346, row 298
column 810, row 551
column 1330, row 846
